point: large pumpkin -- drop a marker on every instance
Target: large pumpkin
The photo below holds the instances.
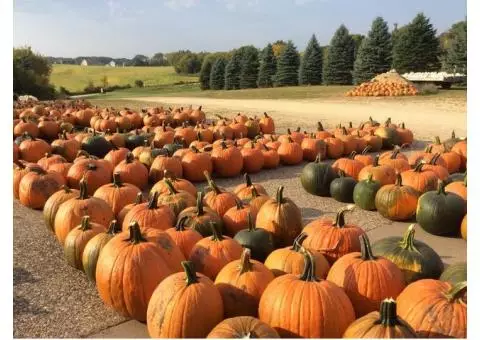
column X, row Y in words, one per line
column 95, row 172
column 227, row 160
column 37, row 186
column 164, row 163
column 306, row 306
column 415, row 258
column 241, row 284
column 121, row 215
column 312, row 147
column 32, row 149
column 178, row 183
column 435, row 309
column 195, row 163
column 53, row 203
column 367, row 279
column 317, row 176
column 20, row 169
column 184, row 305
column 150, row 256
column 242, row 327
column 281, row 217
column 290, row 152
column 441, row 213
column 397, row 202
column 455, row 273
column 364, row 193
column 199, row 217
column 252, row 158
column 384, row 324
column 258, row 240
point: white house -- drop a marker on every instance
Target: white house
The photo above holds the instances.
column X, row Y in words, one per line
column 84, row 62
column 111, row 64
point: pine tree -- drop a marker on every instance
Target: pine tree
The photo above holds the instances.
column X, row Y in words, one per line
column 249, row 67
column 375, row 53
column 456, row 52
column 357, row 41
column 416, row 47
column 287, row 66
column 267, row 68
column 217, row 76
column 205, row 72
column 232, row 71
column 311, row 64
column 339, row 62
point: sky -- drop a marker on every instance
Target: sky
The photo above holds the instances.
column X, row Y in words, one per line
column 121, row 28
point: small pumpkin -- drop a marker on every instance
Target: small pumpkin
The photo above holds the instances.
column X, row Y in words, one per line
column 96, row 145
column 267, row 124
column 50, row 159
column 185, row 238
column 460, row 148
column 384, row 174
column 236, row 218
column 350, row 166
column 95, row 172
column 217, row 198
column 258, row 240
column 364, row 193
column 364, row 157
column 271, row 159
column 244, row 191
column 312, row 147
column 19, row 171
column 397, row 202
column 317, row 176
column 459, row 188
column 163, row 163
column 335, row 147
column 455, row 273
column 341, row 188
column 395, row 159
column 32, row 149
column 375, row 142
column 252, row 158
column 242, row 327
column 37, row 186
column 199, row 217
column 53, row 203
column 195, row 163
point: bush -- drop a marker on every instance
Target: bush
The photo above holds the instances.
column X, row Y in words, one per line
column 138, row 83
column 427, row 89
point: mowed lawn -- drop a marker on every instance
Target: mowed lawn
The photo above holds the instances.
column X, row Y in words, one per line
column 76, row 77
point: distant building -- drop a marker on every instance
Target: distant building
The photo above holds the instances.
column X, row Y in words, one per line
column 84, row 62
column 111, row 64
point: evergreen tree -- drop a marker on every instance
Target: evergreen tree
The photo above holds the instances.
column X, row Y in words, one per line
column 249, row 67
column 416, row 48
column 287, row 66
column 311, row 65
column 217, row 76
column 357, row 40
column 375, row 53
column 267, row 67
column 205, row 72
column 339, row 62
column 456, row 51
column 232, row 71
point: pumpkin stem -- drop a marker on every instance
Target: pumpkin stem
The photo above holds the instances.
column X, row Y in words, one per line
column 366, row 150
column 309, row 274
column 402, row 125
column 138, row 198
column 135, row 234
column 370, row 177
column 456, row 291
column 395, row 152
column 239, row 204
column 200, row 211
column 280, row 199
column 129, row 157
column 194, row 149
column 251, row 225
column 437, row 140
column 398, row 180
column 465, row 179
column 216, row 234
column 113, row 228
column 434, row 159
column 320, row 127
column 245, row 264
column 180, row 226
column 289, row 132
column 211, row 183
column 453, row 135
column 340, row 218
column 341, row 173
column 318, row 159
column 441, row 187
column 117, row 182
column 85, row 225
column 189, row 269
column 366, row 248
column 65, row 189
column 83, row 189
column 170, row 187
column 408, row 238
column 248, row 180
column 297, row 242
column 375, row 160
column 152, row 203
column 388, row 313
column 254, row 193
column 352, row 155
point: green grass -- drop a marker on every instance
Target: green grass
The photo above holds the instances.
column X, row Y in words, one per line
column 76, row 77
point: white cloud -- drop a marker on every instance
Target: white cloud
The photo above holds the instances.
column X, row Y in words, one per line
column 180, row 4
column 232, row 5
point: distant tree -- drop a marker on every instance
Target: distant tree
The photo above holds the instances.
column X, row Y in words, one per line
column 205, row 72
column 416, row 47
column 375, row 53
column 217, row 75
column 31, row 73
column 339, row 62
column 139, row 60
column 287, row 66
column 455, row 50
column 139, row 83
column 188, row 64
column 249, row 67
column 311, row 64
column 232, row 71
column 267, row 67
column 174, row 57
column 278, row 47
column 158, row 59
column 357, row 39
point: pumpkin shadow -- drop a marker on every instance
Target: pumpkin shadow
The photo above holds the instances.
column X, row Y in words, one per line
column 24, row 306
column 237, row 302
column 310, row 214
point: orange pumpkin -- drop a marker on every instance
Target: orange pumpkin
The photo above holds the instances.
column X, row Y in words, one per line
column 199, row 217
column 312, row 146
column 236, row 218
column 37, row 186
column 384, row 174
column 32, row 149
column 271, row 159
column 438, row 166
column 350, row 166
column 242, row 327
column 460, row 148
column 406, row 136
column 132, row 171
column 420, row 179
column 395, row 159
column 321, row 133
column 227, row 160
column 95, row 172
column 335, row 147
column 364, row 157
column 185, row 238
column 290, row 152
column 121, row 215
column 177, row 200
column 150, row 215
column 217, row 198
column 116, row 156
column 397, row 202
column 19, row 171
column 375, row 142
column 459, row 188
column 53, row 203
column 25, row 126
column 252, row 158
column 195, row 163
column 244, row 191
column 266, row 123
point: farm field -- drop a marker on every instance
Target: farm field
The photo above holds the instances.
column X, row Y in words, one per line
column 76, row 77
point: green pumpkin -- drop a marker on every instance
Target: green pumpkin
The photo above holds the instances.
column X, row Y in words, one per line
column 342, row 188
column 258, row 240
column 134, row 140
column 441, row 213
column 96, row 145
column 390, row 136
column 364, row 193
column 253, row 128
column 316, row 177
column 172, row 147
column 455, row 273
column 415, row 258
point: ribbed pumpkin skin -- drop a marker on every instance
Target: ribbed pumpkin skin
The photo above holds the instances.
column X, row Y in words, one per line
column 184, row 238
column 178, row 184
column 385, row 174
column 117, row 195
column 258, row 240
column 128, row 271
column 227, row 161
column 181, row 310
column 95, row 172
column 53, row 203
column 241, row 327
column 316, row 178
column 244, row 191
column 424, row 305
column 20, row 170
column 351, row 167
column 455, row 273
column 364, row 194
column 35, row 188
column 396, row 202
column 416, row 259
column 220, row 202
column 150, row 215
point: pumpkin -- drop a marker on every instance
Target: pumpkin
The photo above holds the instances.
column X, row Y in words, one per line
column 242, row 327
column 364, row 193
column 420, row 179
column 25, row 126
column 218, row 199
column 163, row 163
column 133, row 172
column 452, row 161
column 460, row 148
column 117, row 194
column 16, row 153
column 333, row 237
column 53, row 203
column 321, row 133
column 150, row 256
column 178, row 183
column 435, row 309
column 397, row 202
column 148, row 155
column 383, row 324
column 266, row 124
column 350, row 166
column 37, row 186
column 77, row 239
column 282, row 217
column 252, row 158
column 335, row 147
column 116, row 139
column 389, row 135
column 212, row 253
column 241, row 284
column 367, row 279
column 95, row 172
column 349, row 142
column 244, row 191
column 184, row 238
column 375, row 142
column 341, row 188
column 150, row 215
column 19, row 171
column 163, row 137
column 258, row 240
column 459, row 188
column 199, row 217
column 312, row 147
column 415, row 258
column 257, row 200
column 290, row 260
column 271, row 159
column 70, row 213
column 50, row 159
column 116, row 156
column 32, row 149
column 290, row 152
column 436, row 165
column 415, row 157
column 227, row 160
column 121, row 215
column 364, row 157
column 283, row 305
column 441, row 213
column 395, row 159
column 463, row 227
column 455, row 273
column 437, row 146
column 317, row 176
column 172, row 148
column 48, row 129
column 96, row 145
column 175, row 199
column 384, row 174
column 195, row 163
column 93, row 248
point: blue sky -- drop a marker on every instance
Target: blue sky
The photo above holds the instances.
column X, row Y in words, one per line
column 120, row 28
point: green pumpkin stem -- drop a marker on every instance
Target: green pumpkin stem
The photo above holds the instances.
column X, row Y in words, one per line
column 441, row 187
column 135, row 234
column 297, row 242
column 83, row 189
column 170, row 187
column 85, row 225
column 216, row 234
column 366, row 248
column 465, row 179
column 113, row 228
column 456, row 291
column 309, row 274
column 180, row 226
column 318, row 159
column 408, row 238
column 65, row 189
column 340, row 217
column 395, row 152
column 341, row 173
column 366, row 150
column 200, row 211
column 245, row 264
column 437, row 140
column 254, row 193
column 117, row 182
column 211, row 183
column 398, row 180
column 352, row 155
column 248, row 180
column 370, row 178
column 189, row 269
column 388, row 314
column 251, row 225
column 279, row 195
column 152, row 203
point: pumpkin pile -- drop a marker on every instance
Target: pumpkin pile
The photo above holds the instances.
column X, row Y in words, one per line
column 389, row 84
column 219, row 263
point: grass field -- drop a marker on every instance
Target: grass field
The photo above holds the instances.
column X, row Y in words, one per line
column 76, row 77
